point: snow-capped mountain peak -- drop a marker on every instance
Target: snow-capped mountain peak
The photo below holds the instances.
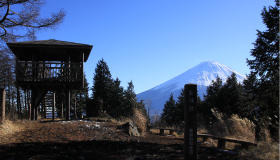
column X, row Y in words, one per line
column 203, row 74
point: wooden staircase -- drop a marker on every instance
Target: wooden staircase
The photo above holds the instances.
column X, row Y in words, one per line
column 49, row 102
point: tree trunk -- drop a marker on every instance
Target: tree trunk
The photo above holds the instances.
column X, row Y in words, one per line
column 18, row 103
column 75, row 107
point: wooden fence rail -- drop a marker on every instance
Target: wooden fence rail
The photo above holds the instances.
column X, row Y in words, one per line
column 221, row 141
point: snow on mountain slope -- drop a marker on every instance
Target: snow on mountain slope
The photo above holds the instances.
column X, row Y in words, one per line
column 202, row 75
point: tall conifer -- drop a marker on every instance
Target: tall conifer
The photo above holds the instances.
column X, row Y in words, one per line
column 102, row 85
column 265, row 72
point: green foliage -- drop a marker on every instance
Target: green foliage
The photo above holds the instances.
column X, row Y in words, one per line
column 173, row 115
column 101, row 90
column 109, row 96
column 179, row 115
column 262, row 85
column 213, row 94
column 130, row 101
column 224, row 98
column 169, row 112
column 230, row 95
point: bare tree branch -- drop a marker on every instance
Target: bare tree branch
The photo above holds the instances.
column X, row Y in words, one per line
column 26, row 18
column 5, row 31
column 6, row 14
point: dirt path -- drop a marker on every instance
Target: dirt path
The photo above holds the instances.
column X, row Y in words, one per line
column 92, row 140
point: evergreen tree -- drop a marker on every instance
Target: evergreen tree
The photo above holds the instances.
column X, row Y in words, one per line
column 212, row 100
column 117, row 107
column 101, row 90
column 130, row 99
column 213, row 95
column 168, row 115
column 180, row 104
column 263, row 82
column 224, row 98
column 129, row 93
column 230, row 96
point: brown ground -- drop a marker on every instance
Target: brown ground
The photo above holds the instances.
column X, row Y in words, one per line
column 82, row 140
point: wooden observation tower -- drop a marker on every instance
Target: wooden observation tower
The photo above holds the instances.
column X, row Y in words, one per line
column 49, row 65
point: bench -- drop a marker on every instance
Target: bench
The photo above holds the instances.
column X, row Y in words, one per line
column 161, row 131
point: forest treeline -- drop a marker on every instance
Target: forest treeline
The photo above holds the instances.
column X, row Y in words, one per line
column 257, row 98
column 110, row 98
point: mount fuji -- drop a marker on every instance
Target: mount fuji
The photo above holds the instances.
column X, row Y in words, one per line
column 202, row 75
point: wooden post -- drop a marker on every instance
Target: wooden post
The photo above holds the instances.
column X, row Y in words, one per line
column 190, row 136
column 68, row 103
column 161, row 131
column 221, row 144
column 3, row 99
column 75, row 107
column 18, row 102
column 53, row 106
column 36, row 110
column 33, row 110
column 62, row 109
column 44, row 108
column 29, row 105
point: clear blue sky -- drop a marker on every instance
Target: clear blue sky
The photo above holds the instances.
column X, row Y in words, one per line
column 151, row 41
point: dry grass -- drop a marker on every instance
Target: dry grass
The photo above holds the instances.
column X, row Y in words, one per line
column 140, row 120
column 234, row 127
column 264, row 151
column 11, row 127
column 176, row 135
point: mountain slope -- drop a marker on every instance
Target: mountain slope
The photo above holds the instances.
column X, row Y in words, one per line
column 202, row 75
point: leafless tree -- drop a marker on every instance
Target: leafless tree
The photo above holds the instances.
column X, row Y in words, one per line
column 21, row 19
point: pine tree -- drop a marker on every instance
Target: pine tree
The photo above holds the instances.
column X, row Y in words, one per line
column 212, row 100
column 130, row 99
column 263, row 83
column 101, row 90
column 117, row 107
column 230, row 96
column 180, row 104
column 130, row 94
column 213, row 95
column 168, row 115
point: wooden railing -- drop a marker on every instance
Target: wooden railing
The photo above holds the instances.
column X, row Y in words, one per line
column 221, row 141
column 27, row 71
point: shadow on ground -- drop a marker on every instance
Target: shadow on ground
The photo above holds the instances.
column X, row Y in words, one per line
column 108, row 150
